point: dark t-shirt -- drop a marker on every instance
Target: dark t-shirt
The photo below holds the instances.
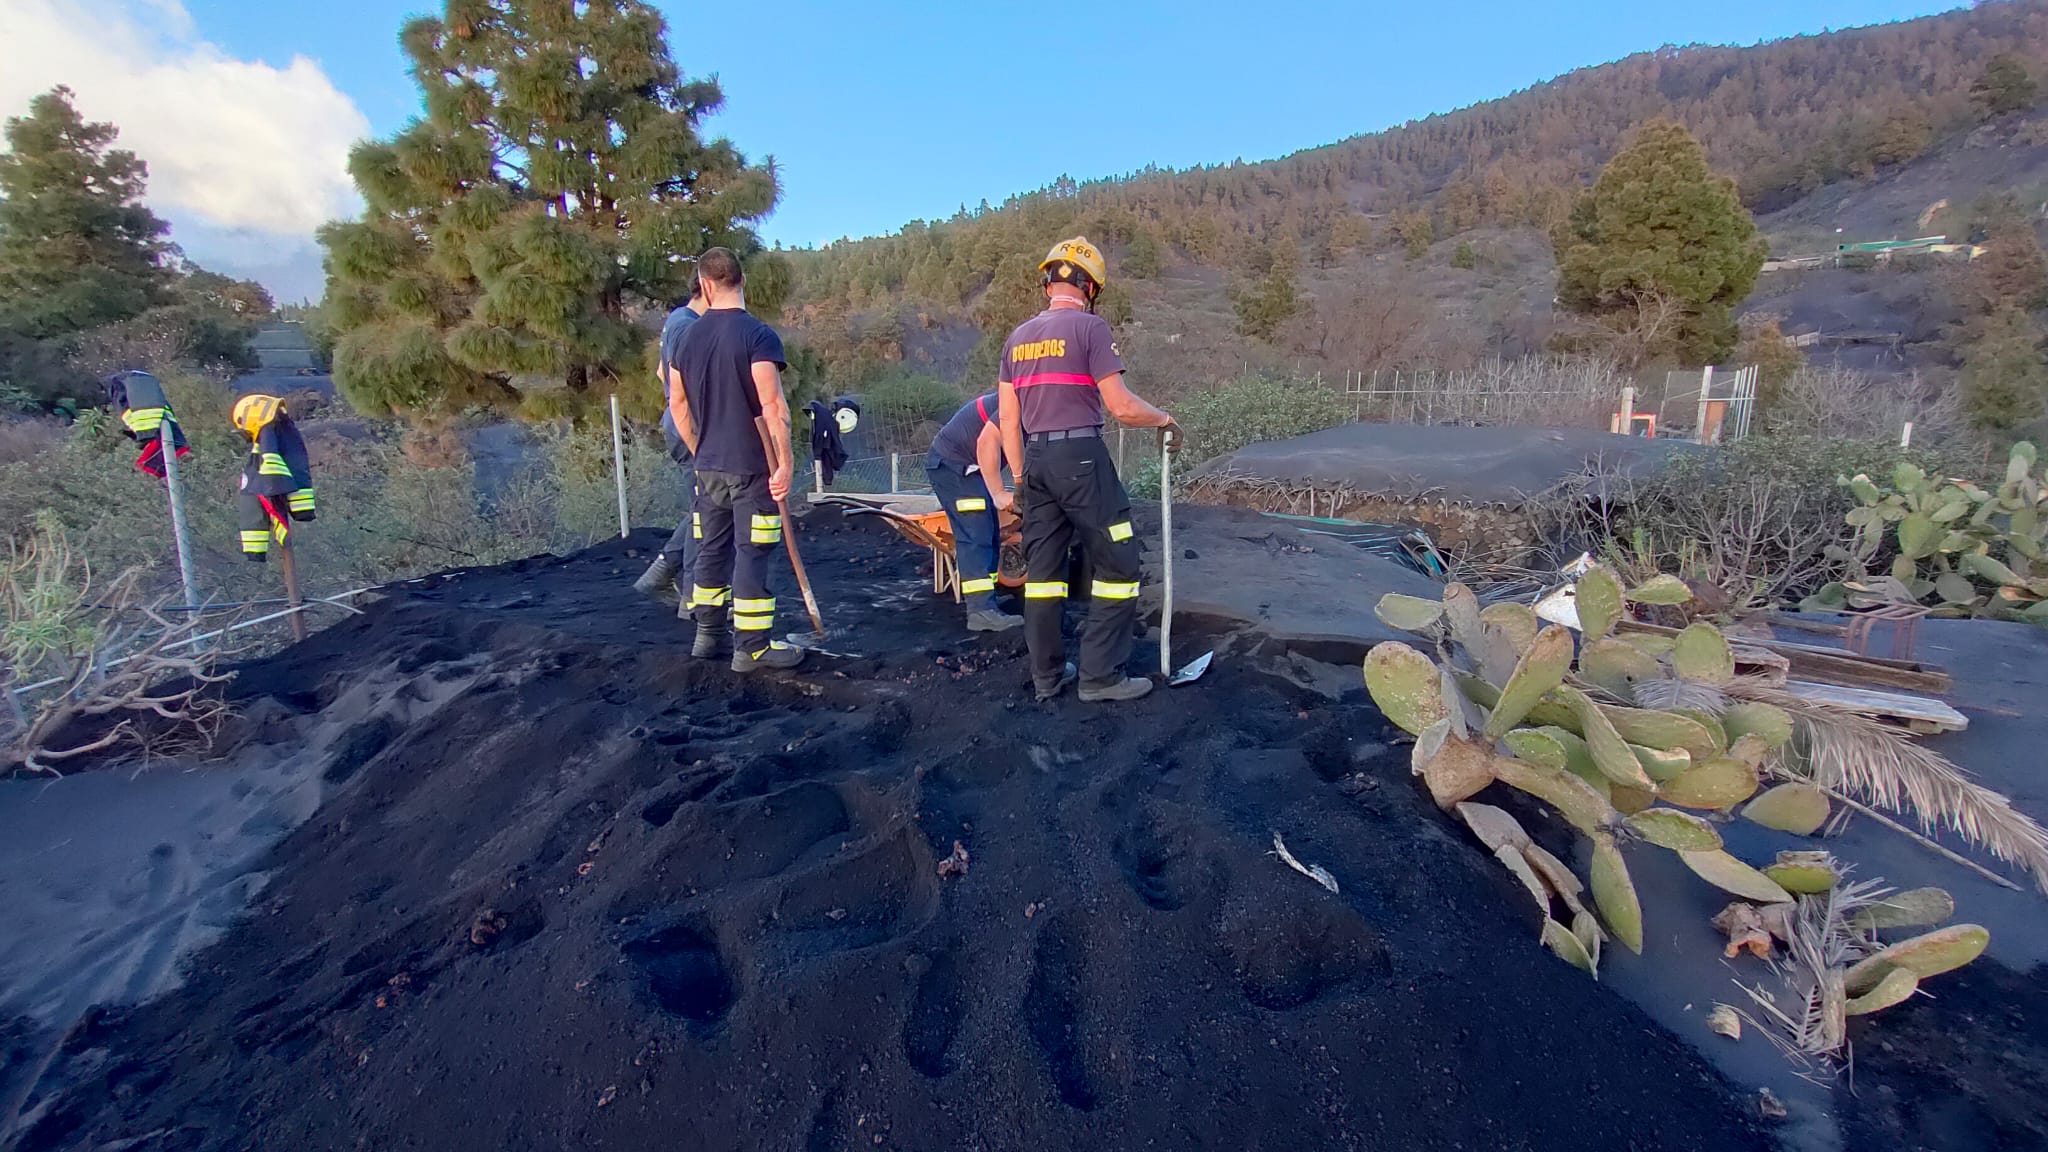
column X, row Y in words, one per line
column 955, row 442
column 672, row 330
column 716, row 358
column 1055, row 360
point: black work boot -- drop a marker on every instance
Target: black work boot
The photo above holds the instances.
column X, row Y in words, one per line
column 776, row 655
column 992, row 620
column 1110, row 691
column 1051, row 691
column 711, row 640
column 659, row 581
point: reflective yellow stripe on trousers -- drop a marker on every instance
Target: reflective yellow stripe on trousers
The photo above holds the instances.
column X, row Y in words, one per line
column 710, row 597
column 1118, row 533
column 1106, row 590
column 753, row 615
column 256, row 543
column 970, row 504
column 1046, row 590
column 977, row 587
column 767, row 529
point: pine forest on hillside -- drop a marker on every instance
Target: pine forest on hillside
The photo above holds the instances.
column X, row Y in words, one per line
column 1230, row 252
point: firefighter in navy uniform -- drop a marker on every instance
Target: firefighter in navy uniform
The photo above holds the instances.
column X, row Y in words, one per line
column 277, row 477
column 966, row 472
column 1059, row 370
column 139, row 397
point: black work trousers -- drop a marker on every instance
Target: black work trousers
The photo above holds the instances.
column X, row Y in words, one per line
column 741, row 527
column 977, row 542
column 1071, row 494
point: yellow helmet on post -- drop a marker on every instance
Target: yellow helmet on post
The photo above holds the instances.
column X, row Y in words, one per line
column 1069, row 257
column 255, row 410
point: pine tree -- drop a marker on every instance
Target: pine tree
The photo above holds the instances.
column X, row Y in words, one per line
column 1660, row 224
column 556, row 185
column 2005, row 379
column 77, row 247
column 2004, row 86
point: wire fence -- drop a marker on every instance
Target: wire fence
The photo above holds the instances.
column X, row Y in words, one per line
column 1533, row 390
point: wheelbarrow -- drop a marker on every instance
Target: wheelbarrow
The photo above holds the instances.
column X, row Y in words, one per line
column 922, row 522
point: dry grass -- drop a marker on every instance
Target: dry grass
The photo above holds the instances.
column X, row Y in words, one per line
column 27, row 439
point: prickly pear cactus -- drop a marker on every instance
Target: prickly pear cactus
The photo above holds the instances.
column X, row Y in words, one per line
column 1494, row 699
column 1962, row 548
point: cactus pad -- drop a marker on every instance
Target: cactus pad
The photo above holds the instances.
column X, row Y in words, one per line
column 1662, row 765
column 1617, row 666
column 1598, row 596
column 1796, row 808
column 1408, row 613
column 1701, row 654
column 1678, row 831
column 1615, row 894
column 1926, row 955
column 1406, row 686
column 1769, row 721
column 1896, row 986
column 1518, row 622
column 1575, row 800
column 1722, row 782
column 1661, row 589
column 1804, row 873
column 1494, row 827
column 1913, row 908
column 1537, row 746
column 1610, row 752
column 1731, row 875
column 1559, row 939
column 1654, row 729
column 1540, row 669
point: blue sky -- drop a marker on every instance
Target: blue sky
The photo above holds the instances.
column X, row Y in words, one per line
column 880, row 113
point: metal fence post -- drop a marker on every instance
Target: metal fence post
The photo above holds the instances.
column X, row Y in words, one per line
column 895, row 472
column 180, row 537
column 1706, row 391
column 619, row 468
column 818, row 475
column 1906, row 435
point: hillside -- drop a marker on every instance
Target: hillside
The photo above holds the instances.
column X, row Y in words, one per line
column 1427, row 242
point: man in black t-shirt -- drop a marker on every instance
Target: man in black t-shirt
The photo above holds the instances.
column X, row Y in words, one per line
column 730, row 366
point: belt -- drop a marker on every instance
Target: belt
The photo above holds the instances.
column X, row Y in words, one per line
column 1067, row 434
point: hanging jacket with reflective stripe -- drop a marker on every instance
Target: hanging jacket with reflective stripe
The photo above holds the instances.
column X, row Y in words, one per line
column 277, row 486
column 138, row 398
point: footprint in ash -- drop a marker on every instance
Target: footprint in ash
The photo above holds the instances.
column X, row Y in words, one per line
column 1052, row 1013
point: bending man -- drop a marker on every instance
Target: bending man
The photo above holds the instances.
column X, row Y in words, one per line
column 730, row 405
column 1059, row 369
column 966, row 471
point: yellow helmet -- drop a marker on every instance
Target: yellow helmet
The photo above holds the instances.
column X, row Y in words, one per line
column 253, row 411
column 1076, row 255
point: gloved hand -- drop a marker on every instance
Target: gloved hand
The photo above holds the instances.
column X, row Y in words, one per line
column 1170, row 437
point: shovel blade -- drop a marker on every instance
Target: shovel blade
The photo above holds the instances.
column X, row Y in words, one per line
column 1192, row 670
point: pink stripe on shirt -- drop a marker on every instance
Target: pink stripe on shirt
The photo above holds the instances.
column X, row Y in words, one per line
column 1054, row 378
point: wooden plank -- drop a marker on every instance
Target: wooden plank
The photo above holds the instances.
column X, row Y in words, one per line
column 1920, row 713
column 1761, row 663
column 1835, row 666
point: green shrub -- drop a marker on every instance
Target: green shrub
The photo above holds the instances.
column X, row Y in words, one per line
column 1761, row 520
column 1252, row 409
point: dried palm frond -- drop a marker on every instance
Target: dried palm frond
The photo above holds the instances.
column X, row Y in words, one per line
column 1814, row 1022
column 1857, row 756
column 1670, row 693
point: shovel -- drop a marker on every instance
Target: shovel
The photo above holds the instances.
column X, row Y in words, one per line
column 1193, row 670
column 796, row 559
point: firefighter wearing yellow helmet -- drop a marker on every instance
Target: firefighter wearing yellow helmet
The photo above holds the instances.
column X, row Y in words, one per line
column 1059, row 370
column 277, row 477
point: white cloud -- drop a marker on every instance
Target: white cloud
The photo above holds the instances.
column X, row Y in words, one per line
column 236, row 145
